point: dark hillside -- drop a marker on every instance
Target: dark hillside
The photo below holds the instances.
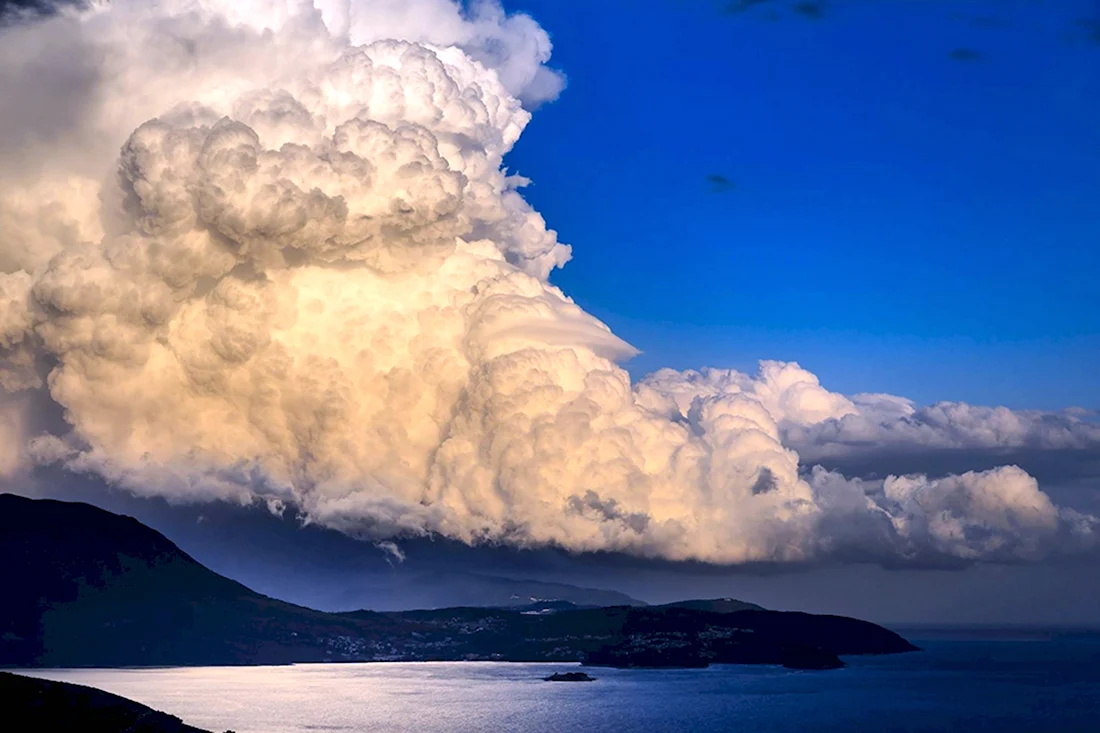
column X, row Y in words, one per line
column 85, row 587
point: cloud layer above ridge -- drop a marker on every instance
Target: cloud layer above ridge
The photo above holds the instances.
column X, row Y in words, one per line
column 267, row 250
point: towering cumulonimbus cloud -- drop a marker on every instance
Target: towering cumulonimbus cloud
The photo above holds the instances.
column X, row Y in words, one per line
column 269, row 251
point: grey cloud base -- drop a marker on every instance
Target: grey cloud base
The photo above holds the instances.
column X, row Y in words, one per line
column 273, row 255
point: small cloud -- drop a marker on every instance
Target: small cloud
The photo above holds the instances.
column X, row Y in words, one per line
column 394, row 554
column 720, row 184
column 740, row 6
column 812, row 9
column 276, row 506
column 515, row 181
column 964, row 54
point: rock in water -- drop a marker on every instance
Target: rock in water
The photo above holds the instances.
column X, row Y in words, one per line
column 569, row 677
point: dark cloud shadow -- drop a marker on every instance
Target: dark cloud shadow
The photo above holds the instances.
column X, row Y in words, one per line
column 14, row 10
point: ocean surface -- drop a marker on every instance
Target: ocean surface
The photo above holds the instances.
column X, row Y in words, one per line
column 1032, row 683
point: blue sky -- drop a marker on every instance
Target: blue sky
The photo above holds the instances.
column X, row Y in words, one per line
column 900, row 220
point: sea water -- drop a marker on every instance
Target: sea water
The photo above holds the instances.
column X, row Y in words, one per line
column 1008, row 686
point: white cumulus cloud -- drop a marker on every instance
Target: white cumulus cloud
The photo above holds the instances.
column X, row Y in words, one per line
column 268, row 251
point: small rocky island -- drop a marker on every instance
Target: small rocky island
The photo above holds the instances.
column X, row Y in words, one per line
column 569, row 677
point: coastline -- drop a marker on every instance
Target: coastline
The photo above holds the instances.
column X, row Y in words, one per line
column 1008, row 682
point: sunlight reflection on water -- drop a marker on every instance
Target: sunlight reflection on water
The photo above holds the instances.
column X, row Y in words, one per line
column 953, row 685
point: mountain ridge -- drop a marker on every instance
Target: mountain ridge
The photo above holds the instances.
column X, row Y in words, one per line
column 92, row 588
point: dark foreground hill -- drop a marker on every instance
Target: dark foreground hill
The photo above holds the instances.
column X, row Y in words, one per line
column 41, row 705
column 84, row 587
